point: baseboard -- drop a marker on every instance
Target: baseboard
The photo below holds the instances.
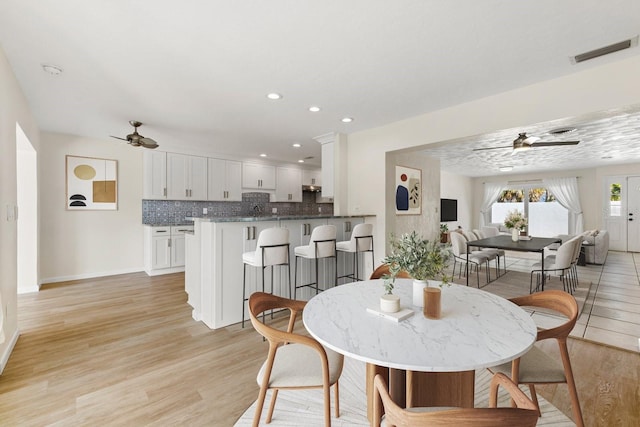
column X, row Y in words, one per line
column 90, row 275
column 8, row 350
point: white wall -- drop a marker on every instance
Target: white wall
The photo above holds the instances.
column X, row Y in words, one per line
column 577, row 94
column 461, row 188
column 13, row 109
column 80, row 244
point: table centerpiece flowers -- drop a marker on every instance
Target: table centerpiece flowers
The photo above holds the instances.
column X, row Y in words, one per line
column 422, row 259
column 515, row 221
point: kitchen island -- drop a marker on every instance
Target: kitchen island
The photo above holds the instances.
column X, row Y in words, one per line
column 214, row 268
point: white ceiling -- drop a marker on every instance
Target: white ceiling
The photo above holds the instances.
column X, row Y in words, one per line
column 196, row 72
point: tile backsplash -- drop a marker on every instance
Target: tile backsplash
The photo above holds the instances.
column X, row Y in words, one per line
column 167, row 212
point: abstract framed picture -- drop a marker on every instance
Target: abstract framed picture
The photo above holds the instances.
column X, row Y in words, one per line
column 92, row 184
column 408, row 191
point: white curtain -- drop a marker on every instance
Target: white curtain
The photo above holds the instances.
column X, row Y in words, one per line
column 565, row 191
column 491, row 192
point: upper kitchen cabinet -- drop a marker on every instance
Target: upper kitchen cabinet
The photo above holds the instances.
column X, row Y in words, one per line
column 258, row 176
column 186, row 177
column 312, row 177
column 155, row 174
column 288, row 185
column 225, row 180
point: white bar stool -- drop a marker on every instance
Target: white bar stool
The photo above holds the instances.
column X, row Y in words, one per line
column 322, row 244
column 272, row 248
column 361, row 241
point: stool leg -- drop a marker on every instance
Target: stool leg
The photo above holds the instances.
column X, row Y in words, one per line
column 244, row 292
column 317, row 286
column 295, row 278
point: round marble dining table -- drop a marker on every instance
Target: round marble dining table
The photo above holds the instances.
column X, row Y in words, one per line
column 476, row 330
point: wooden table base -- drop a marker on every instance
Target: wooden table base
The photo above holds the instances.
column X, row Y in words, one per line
column 414, row 389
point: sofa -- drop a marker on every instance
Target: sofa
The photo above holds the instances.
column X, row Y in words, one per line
column 596, row 245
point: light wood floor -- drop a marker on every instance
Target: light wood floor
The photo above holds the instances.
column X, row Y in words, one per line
column 123, row 350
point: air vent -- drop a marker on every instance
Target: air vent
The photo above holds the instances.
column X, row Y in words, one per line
column 605, row 50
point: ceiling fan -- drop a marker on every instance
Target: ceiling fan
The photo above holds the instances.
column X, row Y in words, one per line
column 524, row 142
column 136, row 139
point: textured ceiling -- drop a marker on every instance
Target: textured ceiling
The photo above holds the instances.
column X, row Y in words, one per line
column 606, row 138
column 196, row 72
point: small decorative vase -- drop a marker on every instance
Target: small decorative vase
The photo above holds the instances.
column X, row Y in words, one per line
column 390, row 303
column 432, row 298
column 514, row 234
column 418, row 286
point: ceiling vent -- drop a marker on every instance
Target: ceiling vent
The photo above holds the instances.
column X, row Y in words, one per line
column 626, row 44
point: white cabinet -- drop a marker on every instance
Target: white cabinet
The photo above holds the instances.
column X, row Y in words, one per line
column 288, row 185
column 224, row 180
column 154, row 166
column 258, row 176
column 186, row 177
column 312, row 177
column 164, row 249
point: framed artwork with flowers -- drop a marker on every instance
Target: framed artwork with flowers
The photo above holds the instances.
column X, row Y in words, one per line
column 408, row 191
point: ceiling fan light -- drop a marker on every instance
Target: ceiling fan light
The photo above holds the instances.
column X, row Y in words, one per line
column 520, row 148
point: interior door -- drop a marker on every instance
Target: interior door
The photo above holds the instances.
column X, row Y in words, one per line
column 633, row 213
column 614, row 215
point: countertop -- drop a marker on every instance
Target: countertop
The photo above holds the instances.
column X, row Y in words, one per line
column 189, row 220
column 268, row 218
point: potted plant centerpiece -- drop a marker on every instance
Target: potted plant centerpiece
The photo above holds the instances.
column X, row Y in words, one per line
column 515, row 221
column 422, row 259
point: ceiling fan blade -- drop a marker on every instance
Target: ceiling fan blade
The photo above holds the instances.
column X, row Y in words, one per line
column 148, row 143
column 117, row 137
column 554, row 143
column 492, row 148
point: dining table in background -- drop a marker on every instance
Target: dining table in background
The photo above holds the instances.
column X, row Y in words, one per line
column 504, row 242
column 476, row 330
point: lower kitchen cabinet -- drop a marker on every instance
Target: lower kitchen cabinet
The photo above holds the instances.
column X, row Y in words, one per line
column 164, row 248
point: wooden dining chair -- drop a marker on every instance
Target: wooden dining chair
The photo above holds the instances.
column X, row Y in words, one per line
column 294, row 361
column 524, row 415
column 536, row 366
column 383, row 270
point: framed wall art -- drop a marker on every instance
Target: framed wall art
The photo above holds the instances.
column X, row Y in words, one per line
column 92, row 183
column 408, row 191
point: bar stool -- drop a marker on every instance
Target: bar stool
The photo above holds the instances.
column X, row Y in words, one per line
column 322, row 244
column 361, row 241
column 272, row 248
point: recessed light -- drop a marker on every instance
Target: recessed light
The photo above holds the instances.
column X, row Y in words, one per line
column 274, row 96
column 606, row 157
column 52, row 69
column 314, row 109
column 297, row 145
column 263, row 155
column 347, row 119
column 300, row 161
column 506, row 168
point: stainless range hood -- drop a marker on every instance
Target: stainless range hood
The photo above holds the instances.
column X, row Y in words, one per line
column 312, row 188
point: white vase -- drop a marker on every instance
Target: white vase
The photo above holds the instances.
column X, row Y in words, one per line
column 418, row 292
column 390, row 303
column 515, row 234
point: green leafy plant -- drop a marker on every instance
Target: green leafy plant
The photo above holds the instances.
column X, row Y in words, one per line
column 444, row 228
column 419, row 257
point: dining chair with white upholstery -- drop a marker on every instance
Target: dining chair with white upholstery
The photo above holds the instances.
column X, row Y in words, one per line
column 361, row 242
column 322, row 245
column 490, row 253
column 561, row 263
column 480, row 234
column 459, row 249
column 272, row 249
column 523, row 415
column 538, row 367
column 294, row 361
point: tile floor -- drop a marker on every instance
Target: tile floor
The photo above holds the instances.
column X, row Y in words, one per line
column 611, row 314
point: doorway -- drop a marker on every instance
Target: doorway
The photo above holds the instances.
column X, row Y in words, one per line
column 621, row 212
column 27, row 217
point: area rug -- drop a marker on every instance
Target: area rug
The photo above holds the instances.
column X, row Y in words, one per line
column 305, row 407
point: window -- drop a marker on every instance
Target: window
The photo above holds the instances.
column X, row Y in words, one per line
column 546, row 216
column 614, row 199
